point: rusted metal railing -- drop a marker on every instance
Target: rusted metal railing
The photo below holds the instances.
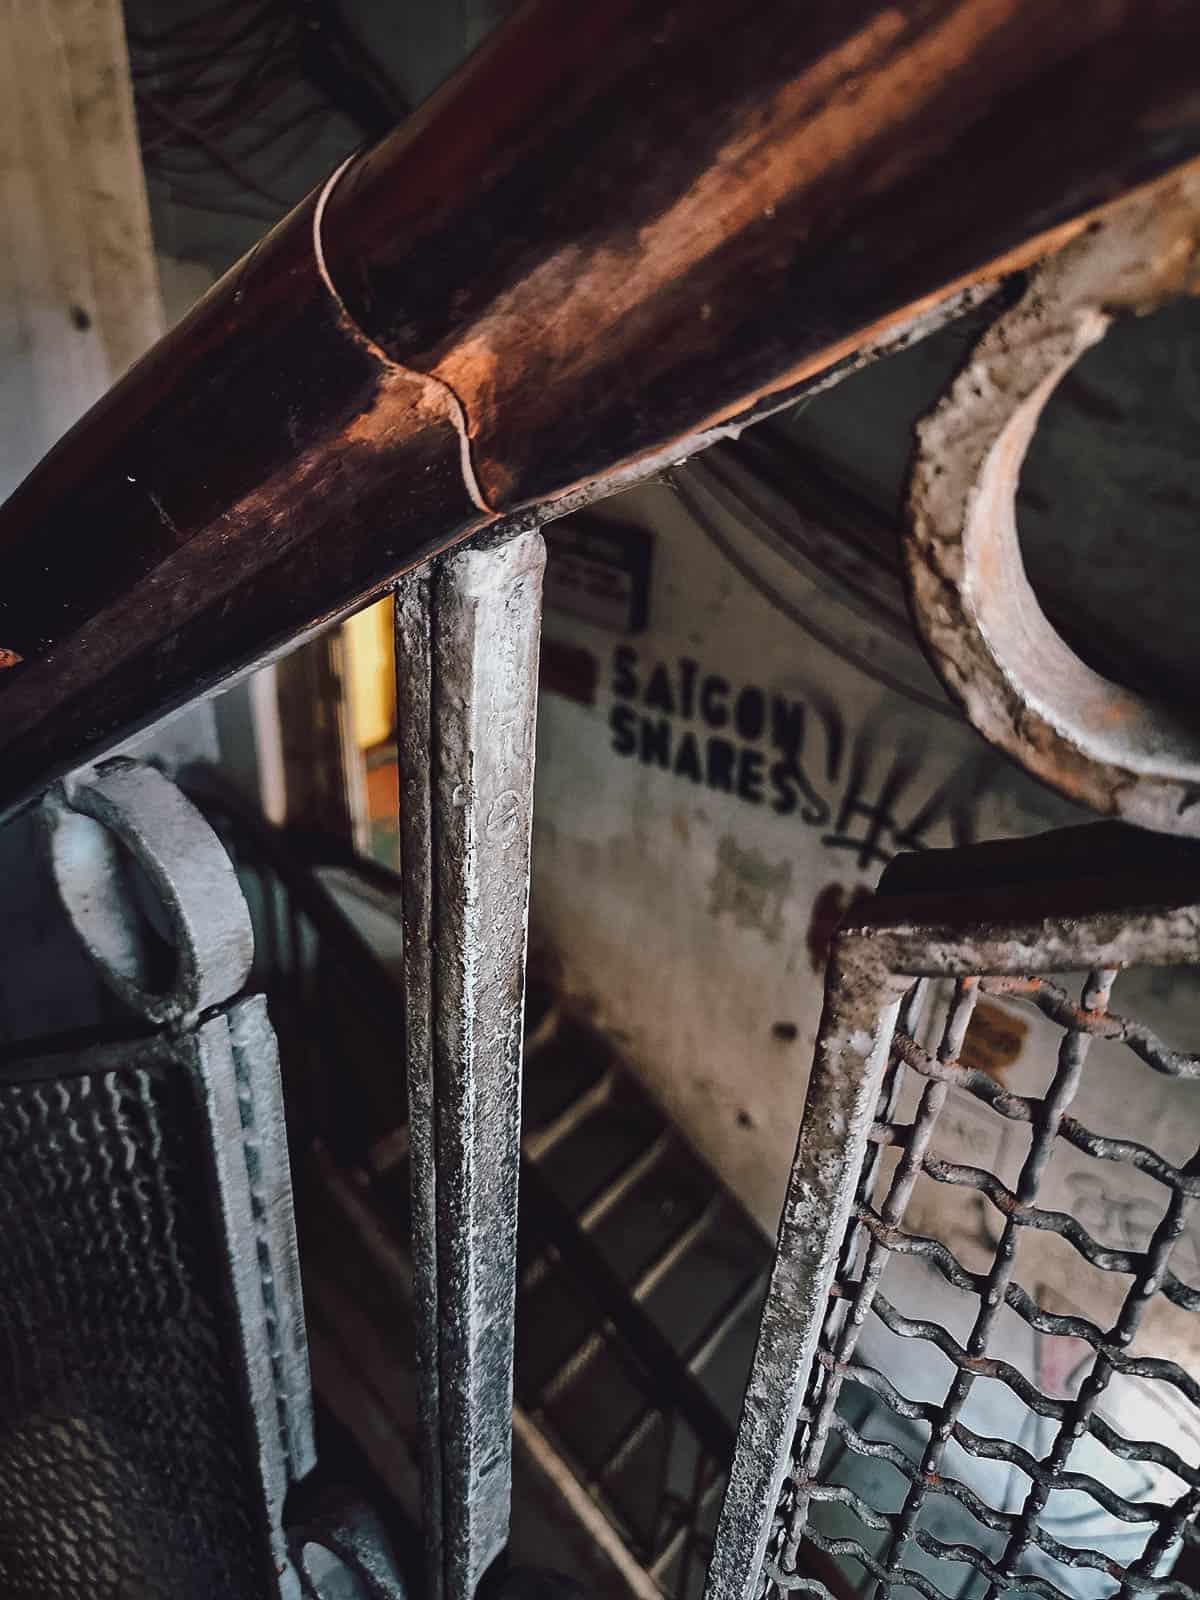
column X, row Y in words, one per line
column 995, row 920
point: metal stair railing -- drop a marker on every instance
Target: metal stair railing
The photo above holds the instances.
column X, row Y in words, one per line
column 659, row 1479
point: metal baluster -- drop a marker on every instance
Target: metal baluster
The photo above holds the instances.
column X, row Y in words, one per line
column 862, row 1004
column 467, row 630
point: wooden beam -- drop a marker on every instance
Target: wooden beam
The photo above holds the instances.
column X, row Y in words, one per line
column 601, row 244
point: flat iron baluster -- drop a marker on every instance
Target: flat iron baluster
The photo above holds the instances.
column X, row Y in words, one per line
column 467, row 630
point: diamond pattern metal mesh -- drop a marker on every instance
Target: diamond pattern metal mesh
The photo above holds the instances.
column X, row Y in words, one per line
column 124, row 1468
column 909, row 1495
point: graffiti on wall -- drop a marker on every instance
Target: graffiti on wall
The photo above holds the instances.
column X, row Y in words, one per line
column 789, row 756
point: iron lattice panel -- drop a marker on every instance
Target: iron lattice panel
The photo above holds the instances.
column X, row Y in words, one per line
column 1009, row 1551
column 125, row 1469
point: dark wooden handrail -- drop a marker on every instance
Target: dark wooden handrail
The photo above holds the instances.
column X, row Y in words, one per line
column 618, row 230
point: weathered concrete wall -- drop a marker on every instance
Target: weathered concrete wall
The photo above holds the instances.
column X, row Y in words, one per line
column 705, row 818
column 691, row 905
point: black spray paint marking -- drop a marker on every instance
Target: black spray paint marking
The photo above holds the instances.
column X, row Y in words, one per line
column 749, row 742
column 730, row 758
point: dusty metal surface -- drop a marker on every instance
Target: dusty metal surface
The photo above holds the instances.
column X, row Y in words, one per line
column 126, row 809
column 157, row 1403
column 1018, row 681
column 590, row 1348
column 130, row 1460
column 467, row 652
column 844, row 1225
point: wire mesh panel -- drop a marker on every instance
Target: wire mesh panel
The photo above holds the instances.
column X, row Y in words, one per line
column 126, row 1467
column 977, row 1368
column 155, row 1406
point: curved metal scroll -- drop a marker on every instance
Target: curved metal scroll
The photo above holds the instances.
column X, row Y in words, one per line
column 125, row 813
column 985, row 632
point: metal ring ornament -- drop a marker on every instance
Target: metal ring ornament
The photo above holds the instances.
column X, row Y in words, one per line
column 123, row 802
column 1016, row 679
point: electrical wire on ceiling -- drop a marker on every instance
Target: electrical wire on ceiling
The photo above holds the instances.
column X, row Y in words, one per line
column 229, row 94
column 708, row 526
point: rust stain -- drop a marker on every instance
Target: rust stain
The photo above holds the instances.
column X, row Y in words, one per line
column 994, row 1041
column 832, row 906
column 569, row 670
